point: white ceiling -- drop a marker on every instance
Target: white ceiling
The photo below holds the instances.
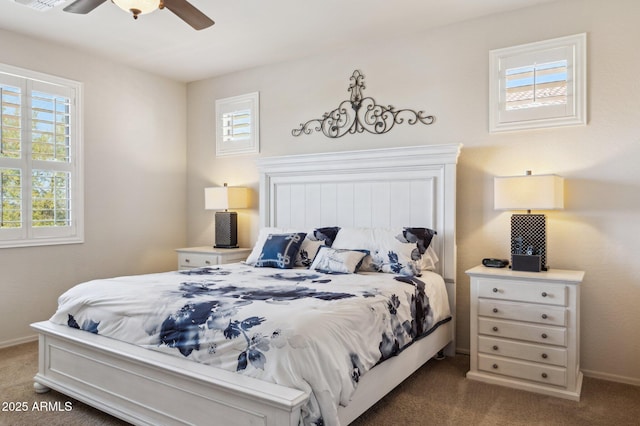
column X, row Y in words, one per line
column 247, row 33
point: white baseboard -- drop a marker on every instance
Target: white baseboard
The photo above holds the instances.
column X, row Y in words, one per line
column 611, row 377
column 19, row 341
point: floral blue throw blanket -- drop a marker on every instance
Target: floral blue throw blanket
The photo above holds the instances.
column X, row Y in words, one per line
column 299, row 328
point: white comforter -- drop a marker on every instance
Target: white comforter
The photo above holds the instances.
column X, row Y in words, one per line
column 303, row 329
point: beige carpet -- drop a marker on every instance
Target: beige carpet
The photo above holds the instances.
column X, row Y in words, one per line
column 438, row 394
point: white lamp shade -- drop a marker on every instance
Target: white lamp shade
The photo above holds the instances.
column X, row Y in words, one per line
column 144, row 6
column 225, row 197
column 529, row 192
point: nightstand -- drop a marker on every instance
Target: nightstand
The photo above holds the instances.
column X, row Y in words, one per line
column 525, row 330
column 198, row 257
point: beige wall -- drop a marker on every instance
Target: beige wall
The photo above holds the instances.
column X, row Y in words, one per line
column 135, row 165
column 444, row 72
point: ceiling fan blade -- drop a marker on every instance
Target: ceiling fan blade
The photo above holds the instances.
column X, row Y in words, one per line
column 188, row 13
column 83, row 6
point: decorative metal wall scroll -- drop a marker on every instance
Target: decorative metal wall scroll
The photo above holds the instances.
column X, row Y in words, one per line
column 364, row 115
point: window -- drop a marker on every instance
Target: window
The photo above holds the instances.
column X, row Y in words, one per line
column 538, row 85
column 237, row 125
column 40, row 159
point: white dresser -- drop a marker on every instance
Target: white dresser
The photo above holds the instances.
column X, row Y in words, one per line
column 199, row 257
column 525, row 329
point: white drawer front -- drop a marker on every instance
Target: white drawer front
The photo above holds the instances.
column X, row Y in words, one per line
column 543, row 314
column 234, row 257
column 522, row 291
column 526, row 351
column 196, row 260
column 523, row 370
column 529, row 332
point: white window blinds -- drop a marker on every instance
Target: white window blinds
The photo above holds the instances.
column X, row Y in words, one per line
column 40, row 164
column 236, row 125
column 536, row 85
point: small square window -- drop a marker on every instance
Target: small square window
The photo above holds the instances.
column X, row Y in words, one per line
column 538, row 85
column 237, row 125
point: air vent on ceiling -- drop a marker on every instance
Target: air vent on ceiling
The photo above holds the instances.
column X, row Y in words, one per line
column 41, row 5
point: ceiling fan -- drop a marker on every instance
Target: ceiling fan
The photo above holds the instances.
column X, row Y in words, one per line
column 185, row 10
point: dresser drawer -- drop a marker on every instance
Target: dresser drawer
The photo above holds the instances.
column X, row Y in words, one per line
column 523, row 370
column 522, row 291
column 196, row 260
column 525, row 351
column 543, row 314
column 521, row 331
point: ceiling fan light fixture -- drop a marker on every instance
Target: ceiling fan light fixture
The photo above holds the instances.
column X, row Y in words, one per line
column 181, row 8
column 138, row 7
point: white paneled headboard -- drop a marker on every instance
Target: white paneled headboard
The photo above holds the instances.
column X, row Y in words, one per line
column 393, row 187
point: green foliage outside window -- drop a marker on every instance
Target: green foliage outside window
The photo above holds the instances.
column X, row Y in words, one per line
column 49, row 142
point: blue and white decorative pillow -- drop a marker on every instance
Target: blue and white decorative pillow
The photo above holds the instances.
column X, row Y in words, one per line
column 397, row 258
column 390, row 252
column 308, row 251
column 326, row 234
column 334, row 261
column 394, row 257
column 280, row 250
column 262, row 238
column 423, row 238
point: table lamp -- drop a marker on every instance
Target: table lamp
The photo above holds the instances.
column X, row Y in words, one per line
column 226, row 222
column 528, row 231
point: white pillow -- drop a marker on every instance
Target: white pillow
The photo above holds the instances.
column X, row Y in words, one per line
column 333, row 260
column 351, row 238
column 429, row 259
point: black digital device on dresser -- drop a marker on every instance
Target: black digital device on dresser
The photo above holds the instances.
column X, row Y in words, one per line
column 495, row 263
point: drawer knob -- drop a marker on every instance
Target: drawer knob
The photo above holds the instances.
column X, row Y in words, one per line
column 495, row 366
column 495, row 310
column 544, row 316
column 495, row 290
column 544, row 335
column 207, row 262
column 544, row 375
column 544, row 294
column 495, row 347
column 187, row 260
column 545, row 356
column 495, row 328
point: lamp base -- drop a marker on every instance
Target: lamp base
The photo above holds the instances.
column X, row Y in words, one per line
column 529, row 237
column 226, row 230
column 526, row 262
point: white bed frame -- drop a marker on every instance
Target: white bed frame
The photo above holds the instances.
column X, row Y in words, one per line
column 413, row 186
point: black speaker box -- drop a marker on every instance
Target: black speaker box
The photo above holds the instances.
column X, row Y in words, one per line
column 226, row 230
column 526, row 262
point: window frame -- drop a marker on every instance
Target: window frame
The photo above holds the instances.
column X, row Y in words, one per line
column 570, row 48
column 28, row 235
column 230, row 106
